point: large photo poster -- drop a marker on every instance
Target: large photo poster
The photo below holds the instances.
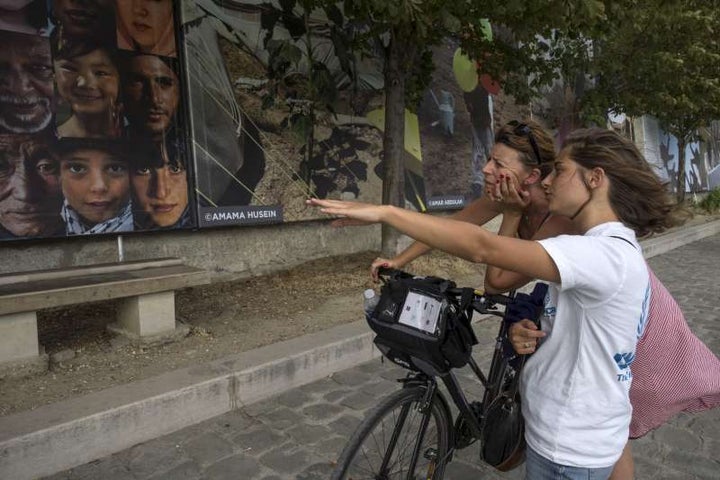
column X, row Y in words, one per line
column 268, row 130
column 92, row 136
column 456, row 128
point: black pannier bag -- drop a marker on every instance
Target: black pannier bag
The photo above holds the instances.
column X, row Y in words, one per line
column 503, row 436
column 421, row 327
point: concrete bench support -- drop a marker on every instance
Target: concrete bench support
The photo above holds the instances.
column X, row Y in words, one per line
column 147, row 315
column 19, row 331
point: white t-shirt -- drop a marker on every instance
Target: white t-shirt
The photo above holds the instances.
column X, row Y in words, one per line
column 575, row 388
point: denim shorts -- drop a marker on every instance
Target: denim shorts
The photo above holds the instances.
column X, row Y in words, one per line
column 538, row 467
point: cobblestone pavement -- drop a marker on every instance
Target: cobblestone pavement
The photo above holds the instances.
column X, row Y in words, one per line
column 298, row 435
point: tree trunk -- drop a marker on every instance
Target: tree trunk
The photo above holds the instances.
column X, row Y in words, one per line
column 394, row 139
column 680, row 186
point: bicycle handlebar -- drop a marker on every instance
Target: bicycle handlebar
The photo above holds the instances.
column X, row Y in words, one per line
column 482, row 302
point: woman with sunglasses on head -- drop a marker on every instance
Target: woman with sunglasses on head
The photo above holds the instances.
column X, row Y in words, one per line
column 525, row 152
column 575, row 389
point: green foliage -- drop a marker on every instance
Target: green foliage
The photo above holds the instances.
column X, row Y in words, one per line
column 711, row 202
column 662, row 59
column 297, row 66
column 535, row 40
column 659, row 58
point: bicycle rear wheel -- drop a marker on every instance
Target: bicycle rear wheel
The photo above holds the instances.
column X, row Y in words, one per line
column 383, row 446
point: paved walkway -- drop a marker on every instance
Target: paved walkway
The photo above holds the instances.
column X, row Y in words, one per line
column 298, row 434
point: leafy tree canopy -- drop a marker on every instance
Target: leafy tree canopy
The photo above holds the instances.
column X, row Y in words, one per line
column 534, row 39
column 660, row 58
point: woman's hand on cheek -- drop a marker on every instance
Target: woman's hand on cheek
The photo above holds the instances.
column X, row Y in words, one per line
column 513, row 198
column 348, row 212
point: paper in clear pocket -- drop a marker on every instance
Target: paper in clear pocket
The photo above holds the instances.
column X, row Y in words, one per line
column 421, row 312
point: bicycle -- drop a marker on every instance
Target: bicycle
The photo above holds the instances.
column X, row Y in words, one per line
column 411, row 434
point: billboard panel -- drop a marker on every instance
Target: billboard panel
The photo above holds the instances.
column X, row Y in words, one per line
column 92, row 136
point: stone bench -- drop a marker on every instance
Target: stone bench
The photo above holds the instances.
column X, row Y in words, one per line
column 146, row 312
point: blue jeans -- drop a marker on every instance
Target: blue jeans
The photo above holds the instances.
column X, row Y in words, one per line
column 540, row 468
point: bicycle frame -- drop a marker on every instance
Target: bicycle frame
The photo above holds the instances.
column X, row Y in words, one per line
column 491, row 384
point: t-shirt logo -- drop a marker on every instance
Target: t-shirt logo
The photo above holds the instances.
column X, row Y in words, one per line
column 624, row 360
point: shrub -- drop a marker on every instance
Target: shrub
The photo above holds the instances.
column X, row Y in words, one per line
column 711, row 203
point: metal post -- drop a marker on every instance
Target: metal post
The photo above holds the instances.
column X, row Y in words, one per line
column 121, row 251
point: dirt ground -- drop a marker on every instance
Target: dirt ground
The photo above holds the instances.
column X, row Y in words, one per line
column 224, row 319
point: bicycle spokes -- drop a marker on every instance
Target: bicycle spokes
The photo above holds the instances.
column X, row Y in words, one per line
column 403, row 445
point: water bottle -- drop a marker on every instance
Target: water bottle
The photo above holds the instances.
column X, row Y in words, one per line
column 370, row 301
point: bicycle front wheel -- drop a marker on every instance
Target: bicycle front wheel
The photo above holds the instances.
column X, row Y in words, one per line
column 398, row 441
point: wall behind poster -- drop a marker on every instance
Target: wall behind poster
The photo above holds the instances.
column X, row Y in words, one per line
column 91, row 130
column 249, row 166
column 702, row 158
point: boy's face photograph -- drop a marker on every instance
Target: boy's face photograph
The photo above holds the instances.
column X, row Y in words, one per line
column 95, row 183
column 161, row 192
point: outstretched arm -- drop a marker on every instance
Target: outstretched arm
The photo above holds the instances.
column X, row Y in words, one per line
column 501, row 280
column 479, row 212
column 462, row 239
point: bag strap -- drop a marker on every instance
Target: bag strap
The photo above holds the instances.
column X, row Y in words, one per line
column 466, row 299
column 624, row 240
column 515, row 386
column 532, row 308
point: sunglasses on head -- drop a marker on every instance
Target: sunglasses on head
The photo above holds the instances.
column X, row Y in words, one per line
column 523, row 130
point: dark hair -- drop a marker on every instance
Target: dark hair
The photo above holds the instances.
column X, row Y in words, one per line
column 145, row 153
column 104, row 33
column 126, row 57
column 68, row 145
column 520, row 137
column 636, row 194
column 71, row 48
column 38, row 14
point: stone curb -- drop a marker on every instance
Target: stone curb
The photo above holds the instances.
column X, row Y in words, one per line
column 62, row 435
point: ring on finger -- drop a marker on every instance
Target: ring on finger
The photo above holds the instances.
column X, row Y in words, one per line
column 527, row 345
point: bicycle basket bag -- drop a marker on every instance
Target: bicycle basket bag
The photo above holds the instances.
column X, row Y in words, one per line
column 419, row 326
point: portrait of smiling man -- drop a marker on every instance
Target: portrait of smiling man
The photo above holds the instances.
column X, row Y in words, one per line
column 26, row 83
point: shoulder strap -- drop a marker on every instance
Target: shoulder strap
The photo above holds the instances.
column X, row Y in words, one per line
column 624, row 240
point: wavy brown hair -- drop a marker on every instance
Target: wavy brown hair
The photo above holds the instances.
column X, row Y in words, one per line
column 511, row 134
column 636, row 194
